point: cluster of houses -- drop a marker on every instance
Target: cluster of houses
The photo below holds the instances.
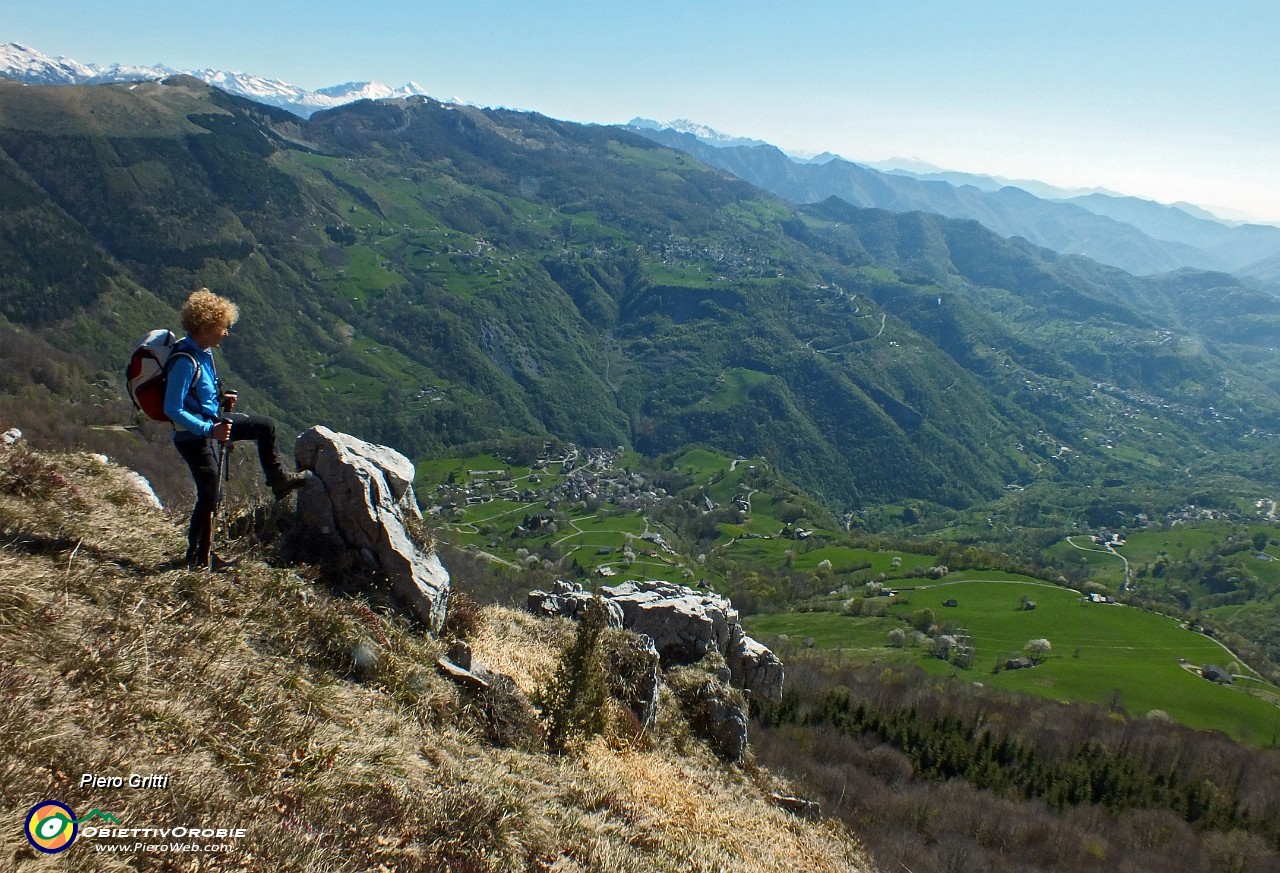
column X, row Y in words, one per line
column 729, row 263
column 585, row 475
column 1191, row 514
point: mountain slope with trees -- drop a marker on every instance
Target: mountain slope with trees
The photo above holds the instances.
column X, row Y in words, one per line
column 435, row 275
column 1125, row 232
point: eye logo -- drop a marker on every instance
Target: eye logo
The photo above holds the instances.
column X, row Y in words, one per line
column 51, row 826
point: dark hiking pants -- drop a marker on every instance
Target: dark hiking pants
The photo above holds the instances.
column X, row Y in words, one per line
column 203, row 455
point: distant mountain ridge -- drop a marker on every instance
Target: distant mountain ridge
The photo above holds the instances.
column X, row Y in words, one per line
column 928, row 173
column 29, row 66
column 1136, row 235
column 708, row 135
column 1240, row 245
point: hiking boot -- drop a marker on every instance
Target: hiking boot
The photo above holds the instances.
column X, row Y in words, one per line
column 216, row 564
column 288, row 482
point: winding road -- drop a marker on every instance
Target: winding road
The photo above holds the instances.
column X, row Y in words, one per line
column 1109, row 550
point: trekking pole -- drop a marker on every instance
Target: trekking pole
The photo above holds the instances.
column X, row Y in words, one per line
column 224, row 475
column 228, row 405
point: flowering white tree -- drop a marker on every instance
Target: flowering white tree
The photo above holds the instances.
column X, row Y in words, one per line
column 1037, row 649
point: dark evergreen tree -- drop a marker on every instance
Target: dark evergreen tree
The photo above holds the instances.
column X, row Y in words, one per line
column 573, row 704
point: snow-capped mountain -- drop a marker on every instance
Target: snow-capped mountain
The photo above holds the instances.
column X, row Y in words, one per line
column 299, row 100
column 32, row 67
column 27, row 65
column 708, row 135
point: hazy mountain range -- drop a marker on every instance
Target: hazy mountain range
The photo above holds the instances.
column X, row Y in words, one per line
column 1137, row 235
column 432, row 276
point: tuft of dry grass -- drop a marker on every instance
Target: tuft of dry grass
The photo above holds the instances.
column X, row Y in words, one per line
column 705, row 816
column 316, row 722
column 521, row 645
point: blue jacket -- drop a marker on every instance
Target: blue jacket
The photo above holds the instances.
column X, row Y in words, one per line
column 193, row 408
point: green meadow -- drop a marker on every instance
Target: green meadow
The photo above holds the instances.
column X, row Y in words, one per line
column 844, row 559
column 595, row 542
column 702, row 465
column 437, row 472
column 1127, row 659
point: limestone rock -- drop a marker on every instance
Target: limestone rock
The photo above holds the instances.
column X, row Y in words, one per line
column 634, row 674
column 358, row 498
column 464, row 676
column 753, row 666
column 715, row 711
column 460, row 654
column 686, row 624
column 134, row 480
column 726, row 726
column 676, row 627
column 797, row 806
column 505, row 712
column 568, row 599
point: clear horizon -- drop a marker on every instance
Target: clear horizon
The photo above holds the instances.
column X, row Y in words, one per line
column 1170, row 101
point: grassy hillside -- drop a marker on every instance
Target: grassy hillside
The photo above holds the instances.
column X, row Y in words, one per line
column 245, row 690
column 1103, row 654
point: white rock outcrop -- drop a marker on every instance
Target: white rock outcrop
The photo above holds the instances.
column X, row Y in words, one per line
column 568, row 599
column 135, row 480
column 756, row 668
column 684, row 625
column 359, row 495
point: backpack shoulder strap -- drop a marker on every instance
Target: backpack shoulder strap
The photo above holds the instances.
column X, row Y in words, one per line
column 181, row 349
column 180, row 352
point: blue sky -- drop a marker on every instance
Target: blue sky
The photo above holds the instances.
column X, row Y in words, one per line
column 1172, row 100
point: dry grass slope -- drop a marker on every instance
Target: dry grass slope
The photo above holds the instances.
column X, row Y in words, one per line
column 241, row 688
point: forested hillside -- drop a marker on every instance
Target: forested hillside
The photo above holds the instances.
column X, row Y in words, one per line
column 435, row 275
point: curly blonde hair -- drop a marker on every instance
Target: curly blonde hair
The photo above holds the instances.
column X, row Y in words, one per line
column 204, row 309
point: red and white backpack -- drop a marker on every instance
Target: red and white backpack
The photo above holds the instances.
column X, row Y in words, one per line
column 148, row 371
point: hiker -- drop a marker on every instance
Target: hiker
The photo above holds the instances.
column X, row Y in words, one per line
column 204, row 422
